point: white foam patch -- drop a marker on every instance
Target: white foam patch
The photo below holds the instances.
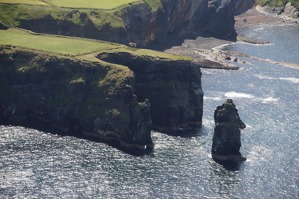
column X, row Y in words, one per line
column 207, row 122
column 290, row 79
column 212, row 98
column 263, row 76
column 265, row 100
column 269, row 100
column 233, row 95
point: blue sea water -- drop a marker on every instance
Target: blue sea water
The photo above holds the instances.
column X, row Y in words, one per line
column 36, row 164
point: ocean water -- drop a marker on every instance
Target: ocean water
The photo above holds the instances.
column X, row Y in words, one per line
column 36, row 164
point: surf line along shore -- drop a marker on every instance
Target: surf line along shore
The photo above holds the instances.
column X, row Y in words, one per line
column 207, row 51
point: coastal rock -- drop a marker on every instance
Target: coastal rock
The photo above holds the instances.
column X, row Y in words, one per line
column 291, row 11
column 172, row 87
column 278, row 10
column 76, row 97
column 227, row 135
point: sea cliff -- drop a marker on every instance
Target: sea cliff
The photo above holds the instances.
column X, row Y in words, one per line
column 107, row 91
column 115, row 95
column 141, row 23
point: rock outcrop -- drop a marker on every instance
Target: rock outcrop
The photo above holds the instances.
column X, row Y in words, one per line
column 227, row 136
column 172, row 87
column 100, row 99
column 137, row 23
column 291, row 11
column 76, row 97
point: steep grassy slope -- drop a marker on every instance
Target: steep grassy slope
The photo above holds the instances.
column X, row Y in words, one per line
column 14, row 15
column 277, row 3
column 91, row 4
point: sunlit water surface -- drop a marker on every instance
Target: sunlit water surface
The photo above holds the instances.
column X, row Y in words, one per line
column 36, row 164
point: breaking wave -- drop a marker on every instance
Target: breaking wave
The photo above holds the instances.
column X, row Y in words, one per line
column 289, row 79
column 233, row 94
column 218, row 96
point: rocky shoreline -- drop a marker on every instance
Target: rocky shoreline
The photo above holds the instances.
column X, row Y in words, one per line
column 207, row 53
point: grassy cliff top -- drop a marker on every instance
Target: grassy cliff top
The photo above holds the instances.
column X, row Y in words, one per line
column 96, row 4
column 93, row 4
column 100, row 12
column 73, row 46
column 49, row 43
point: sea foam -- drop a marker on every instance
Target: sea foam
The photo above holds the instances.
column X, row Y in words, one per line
column 233, row 94
column 290, row 79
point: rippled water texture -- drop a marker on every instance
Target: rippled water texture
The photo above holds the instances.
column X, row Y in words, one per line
column 36, row 164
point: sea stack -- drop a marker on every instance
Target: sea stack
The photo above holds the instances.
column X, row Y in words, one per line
column 227, row 134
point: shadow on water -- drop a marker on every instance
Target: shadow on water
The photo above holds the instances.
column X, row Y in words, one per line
column 230, row 165
column 46, row 128
column 190, row 133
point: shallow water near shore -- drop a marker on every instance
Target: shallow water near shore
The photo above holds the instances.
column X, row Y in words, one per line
column 36, row 164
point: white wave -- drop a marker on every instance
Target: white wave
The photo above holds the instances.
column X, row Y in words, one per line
column 269, row 100
column 263, row 76
column 290, row 79
column 207, row 122
column 233, row 94
column 212, row 98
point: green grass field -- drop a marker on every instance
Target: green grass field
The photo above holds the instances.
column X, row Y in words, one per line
column 96, row 4
column 73, row 46
column 33, row 2
column 55, row 44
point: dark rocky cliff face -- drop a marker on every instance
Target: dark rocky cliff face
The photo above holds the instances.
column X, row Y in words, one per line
column 99, row 99
column 227, row 135
column 178, row 18
column 135, row 23
column 74, row 96
column 172, row 87
column 241, row 6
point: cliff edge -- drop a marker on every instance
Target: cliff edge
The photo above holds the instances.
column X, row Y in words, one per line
column 96, row 89
column 140, row 23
